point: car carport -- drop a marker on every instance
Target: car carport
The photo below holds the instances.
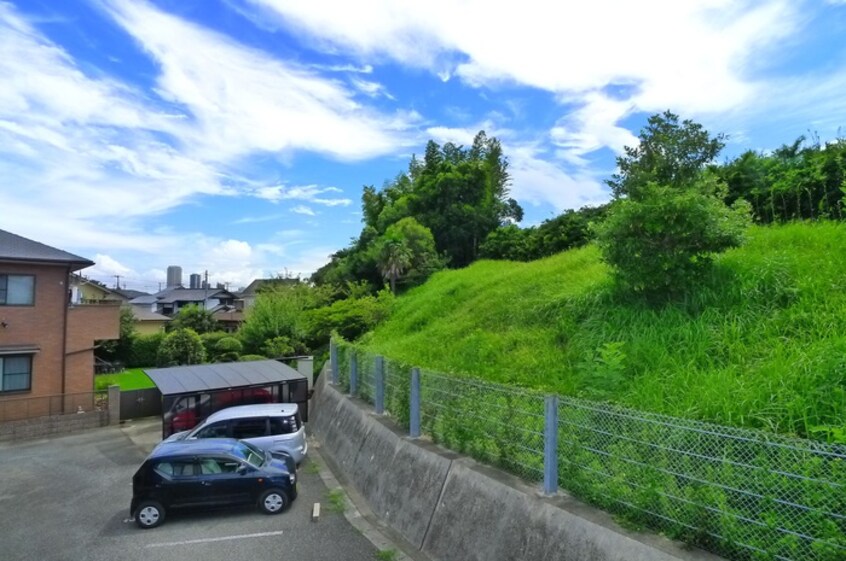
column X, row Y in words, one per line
column 192, row 393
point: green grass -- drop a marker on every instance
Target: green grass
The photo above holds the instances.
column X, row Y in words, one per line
column 132, row 379
column 387, row 555
column 761, row 343
column 336, row 501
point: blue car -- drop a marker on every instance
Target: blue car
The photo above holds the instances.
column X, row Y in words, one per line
column 210, row 472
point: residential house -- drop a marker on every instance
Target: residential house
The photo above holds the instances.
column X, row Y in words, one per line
column 87, row 291
column 247, row 296
column 148, row 322
column 167, row 303
column 46, row 341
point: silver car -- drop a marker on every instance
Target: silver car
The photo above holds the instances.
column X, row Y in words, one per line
column 275, row 427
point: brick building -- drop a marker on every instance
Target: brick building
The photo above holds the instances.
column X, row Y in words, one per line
column 46, row 342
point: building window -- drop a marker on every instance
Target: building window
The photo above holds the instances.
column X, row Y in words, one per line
column 17, row 290
column 15, row 373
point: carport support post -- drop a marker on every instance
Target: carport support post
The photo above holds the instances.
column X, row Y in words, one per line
column 353, row 373
column 414, row 413
column 379, row 398
column 333, row 361
column 550, row 446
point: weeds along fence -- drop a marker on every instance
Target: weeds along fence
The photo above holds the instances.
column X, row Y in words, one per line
column 742, row 494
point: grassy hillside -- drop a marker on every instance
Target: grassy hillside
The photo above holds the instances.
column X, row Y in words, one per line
column 762, row 343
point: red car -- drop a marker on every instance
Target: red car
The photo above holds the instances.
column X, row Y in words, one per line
column 188, row 411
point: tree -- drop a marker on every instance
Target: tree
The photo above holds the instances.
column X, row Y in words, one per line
column 459, row 195
column 421, row 246
column 669, row 153
column 195, row 317
column 182, row 346
column 120, row 350
column 278, row 312
column 509, row 242
column 394, row 258
column 668, row 217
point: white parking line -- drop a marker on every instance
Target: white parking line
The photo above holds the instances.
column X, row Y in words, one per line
column 221, row 539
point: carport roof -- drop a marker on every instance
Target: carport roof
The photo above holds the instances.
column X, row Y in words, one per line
column 220, row 376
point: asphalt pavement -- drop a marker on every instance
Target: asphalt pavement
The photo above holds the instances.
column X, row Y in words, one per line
column 67, row 498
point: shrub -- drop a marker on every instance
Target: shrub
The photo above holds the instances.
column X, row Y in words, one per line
column 663, row 240
column 182, row 346
column 145, row 349
column 229, row 345
column 210, row 341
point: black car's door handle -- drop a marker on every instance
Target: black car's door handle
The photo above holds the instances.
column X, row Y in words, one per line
column 205, row 482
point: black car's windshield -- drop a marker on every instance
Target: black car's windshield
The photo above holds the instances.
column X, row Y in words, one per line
column 249, row 454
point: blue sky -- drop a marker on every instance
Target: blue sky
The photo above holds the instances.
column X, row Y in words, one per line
column 234, row 136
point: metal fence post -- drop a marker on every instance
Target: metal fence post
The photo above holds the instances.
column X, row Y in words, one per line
column 333, row 361
column 379, row 398
column 353, row 373
column 414, row 406
column 550, row 445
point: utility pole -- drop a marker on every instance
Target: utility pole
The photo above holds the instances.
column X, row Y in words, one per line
column 117, row 281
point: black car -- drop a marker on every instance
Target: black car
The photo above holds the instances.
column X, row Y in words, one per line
column 210, row 472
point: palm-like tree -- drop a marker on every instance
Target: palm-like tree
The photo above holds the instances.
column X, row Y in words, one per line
column 394, row 259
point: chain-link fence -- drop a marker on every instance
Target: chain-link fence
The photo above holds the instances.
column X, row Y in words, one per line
column 743, row 494
column 494, row 424
column 740, row 493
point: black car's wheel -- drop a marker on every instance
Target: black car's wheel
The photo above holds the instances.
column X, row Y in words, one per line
column 273, row 501
column 149, row 514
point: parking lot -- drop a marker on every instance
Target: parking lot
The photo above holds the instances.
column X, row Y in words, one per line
column 67, row 498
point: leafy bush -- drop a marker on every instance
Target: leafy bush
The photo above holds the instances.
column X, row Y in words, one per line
column 195, row 317
column 210, row 341
column 248, row 358
column 145, row 349
column 179, row 347
column 663, row 240
column 351, row 317
column 228, row 345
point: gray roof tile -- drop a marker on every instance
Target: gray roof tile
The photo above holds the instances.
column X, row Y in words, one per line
column 17, row 248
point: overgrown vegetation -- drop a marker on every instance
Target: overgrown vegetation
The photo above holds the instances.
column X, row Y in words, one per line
column 760, row 343
column 668, row 217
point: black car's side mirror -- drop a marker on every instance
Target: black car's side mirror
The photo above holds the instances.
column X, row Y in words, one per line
column 242, row 469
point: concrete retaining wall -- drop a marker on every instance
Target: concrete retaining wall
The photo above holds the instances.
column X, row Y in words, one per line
column 52, row 425
column 453, row 508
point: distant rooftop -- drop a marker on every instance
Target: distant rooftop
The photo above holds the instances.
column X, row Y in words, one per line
column 17, row 248
column 172, row 295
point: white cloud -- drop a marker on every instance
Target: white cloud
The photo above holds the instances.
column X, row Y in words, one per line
column 302, row 209
column 106, row 267
column 307, row 193
column 87, row 159
column 538, row 179
column 371, row 89
column 243, row 100
column 591, row 127
column 692, row 57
